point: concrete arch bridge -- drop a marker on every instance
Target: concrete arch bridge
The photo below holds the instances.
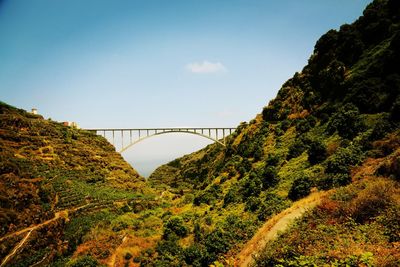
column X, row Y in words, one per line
column 124, row 139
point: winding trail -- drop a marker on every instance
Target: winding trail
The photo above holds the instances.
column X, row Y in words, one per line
column 20, row 244
column 113, row 257
column 278, row 223
column 57, row 215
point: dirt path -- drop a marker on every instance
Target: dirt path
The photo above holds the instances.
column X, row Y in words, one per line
column 270, row 230
column 113, row 257
column 57, row 215
column 20, row 244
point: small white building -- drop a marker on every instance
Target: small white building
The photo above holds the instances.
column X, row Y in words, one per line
column 71, row 124
column 34, row 111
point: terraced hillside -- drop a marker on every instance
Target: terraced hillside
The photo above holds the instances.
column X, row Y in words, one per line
column 50, row 172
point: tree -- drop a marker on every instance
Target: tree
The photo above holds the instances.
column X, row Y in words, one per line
column 317, row 152
column 296, row 149
column 269, row 177
column 346, row 121
column 341, row 161
column 175, row 226
column 301, row 187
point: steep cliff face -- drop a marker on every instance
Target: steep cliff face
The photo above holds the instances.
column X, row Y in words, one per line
column 47, row 168
column 341, row 111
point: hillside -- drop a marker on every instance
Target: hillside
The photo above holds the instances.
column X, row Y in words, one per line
column 340, row 113
column 333, row 131
column 51, row 178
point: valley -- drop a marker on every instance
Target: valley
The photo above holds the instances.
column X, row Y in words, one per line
column 312, row 180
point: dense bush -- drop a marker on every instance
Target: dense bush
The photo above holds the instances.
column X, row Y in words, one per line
column 270, row 113
column 208, row 196
column 272, row 160
column 175, row 226
column 372, row 200
column 381, row 128
column 390, row 219
column 346, row 121
column 269, row 176
column 217, row 242
column 252, row 204
column 317, row 152
column 343, row 159
column 196, row 255
column 272, row 204
column 231, row 197
column 331, row 180
column 390, row 168
column 169, row 251
column 301, row 187
column 302, row 126
column 298, row 147
column 251, row 186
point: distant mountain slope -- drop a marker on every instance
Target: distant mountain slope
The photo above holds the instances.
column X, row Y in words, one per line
column 46, row 168
column 352, row 74
column 341, row 110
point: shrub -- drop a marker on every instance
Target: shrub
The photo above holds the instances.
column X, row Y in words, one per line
column 317, row 152
column 169, row 250
column 252, row 204
column 343, row 159
column 372, row 201
column 296, row 149
column 346, row 121
column 217, row 242
column 251, row 187
column 208, row 196
column 175, row 226
column 381, row 128
column 272, row 204
column 272, row 160
column 301, row 187
column 230, row 197
column 269, row 177
column 303, row 126
column 390, row 220
column 334, row 180
column 271, row 112
column 195, row 255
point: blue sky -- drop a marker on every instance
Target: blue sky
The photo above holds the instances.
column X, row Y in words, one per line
column 148, row 63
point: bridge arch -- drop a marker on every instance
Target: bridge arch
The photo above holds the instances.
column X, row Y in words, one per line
column 167, row 132
column 130, row 137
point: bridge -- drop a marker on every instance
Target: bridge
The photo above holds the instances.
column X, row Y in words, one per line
column 126, row 138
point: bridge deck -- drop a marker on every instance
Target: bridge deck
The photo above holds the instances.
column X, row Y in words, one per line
column 135, row 135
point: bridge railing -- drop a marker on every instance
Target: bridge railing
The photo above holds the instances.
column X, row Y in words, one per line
column 124, row 138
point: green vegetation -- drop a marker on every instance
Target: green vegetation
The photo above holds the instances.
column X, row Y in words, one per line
column 334, row 125
column 351, row 228
column 47, row 168
column 339, row 112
